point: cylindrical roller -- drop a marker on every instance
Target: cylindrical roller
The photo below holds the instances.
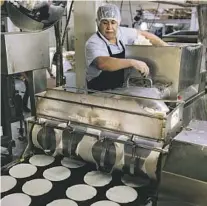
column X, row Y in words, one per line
column 108, row 150
column 46, row 138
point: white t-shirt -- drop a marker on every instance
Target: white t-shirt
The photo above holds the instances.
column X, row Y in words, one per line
column 96, row 47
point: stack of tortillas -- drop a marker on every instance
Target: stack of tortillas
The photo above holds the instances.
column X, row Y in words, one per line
column 16, row 199
column 41, row 160
column 7, row 183
column 81, row 192
column 22, row 170
column 58, row 173
column 97, row 179
column 122, row 194
column 37, row 187
column 72, row 163
column 62, row 202
column 105, row 203
column 132, row 181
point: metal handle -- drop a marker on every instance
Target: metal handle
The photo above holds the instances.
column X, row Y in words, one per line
column 146, row 82
column 132, row 161
column 103, row 167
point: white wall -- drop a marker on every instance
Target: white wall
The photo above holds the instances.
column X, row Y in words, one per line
column 136, row 5
column 126, row 17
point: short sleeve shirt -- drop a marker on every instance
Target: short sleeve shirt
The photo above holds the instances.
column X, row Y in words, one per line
column 95, row 47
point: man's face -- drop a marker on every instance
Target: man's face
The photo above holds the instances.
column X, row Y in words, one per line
column 108, row 29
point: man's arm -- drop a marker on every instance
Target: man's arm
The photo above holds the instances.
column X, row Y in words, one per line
column 155, row 40
column 106, row 63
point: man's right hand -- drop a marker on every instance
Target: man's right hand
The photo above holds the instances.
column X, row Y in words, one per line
column 140, row 66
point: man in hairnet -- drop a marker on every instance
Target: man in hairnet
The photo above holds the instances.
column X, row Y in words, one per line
column 105, row 50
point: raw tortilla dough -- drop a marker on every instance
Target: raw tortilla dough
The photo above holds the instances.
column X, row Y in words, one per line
column 62, row 202
column 81, row 192
column 133, row 181
column 35, row 131
column 37, row 187
column 119, row 163
column 105, row 203
column 150, row 164
column 7, row 183
column 58, row 173
column 97, row 178
column 71, row 163
column 17, row 199
column 41, row 160
column 22, row 170
column 84, row 148
column 122, row 194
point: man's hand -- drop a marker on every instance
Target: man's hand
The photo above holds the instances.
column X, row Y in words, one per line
column 155, row 40
column 113, row 64
column 140, row 66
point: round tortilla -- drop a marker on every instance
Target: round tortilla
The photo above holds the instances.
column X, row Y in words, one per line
column 7, row 183
column 17, row 199
column 81, row 192
column 97, row 178
column 122, row 194
column 37, row 187
column 41, row 160
column 22, row 170
column 71, row 163
column 62, row 202
column 105, row 203
column 134, row 181
column 58, row 173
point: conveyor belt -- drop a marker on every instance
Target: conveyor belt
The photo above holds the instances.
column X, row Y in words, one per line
column 58, row 190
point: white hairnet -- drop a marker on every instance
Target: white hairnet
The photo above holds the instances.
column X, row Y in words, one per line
column 108, row 11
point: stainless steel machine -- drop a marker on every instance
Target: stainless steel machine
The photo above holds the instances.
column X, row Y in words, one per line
column 184, row 175
column 178, row 74
column 115, row 132
column 178, row 71
column 24, row 52
column 21, row 53
column 136, row 130
column 144, row 131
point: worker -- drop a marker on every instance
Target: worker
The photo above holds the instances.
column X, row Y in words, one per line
column 105, row 50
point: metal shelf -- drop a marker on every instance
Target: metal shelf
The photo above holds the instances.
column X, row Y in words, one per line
column 168, row 21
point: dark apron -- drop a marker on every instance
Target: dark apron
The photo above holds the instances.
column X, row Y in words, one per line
column 108, row 80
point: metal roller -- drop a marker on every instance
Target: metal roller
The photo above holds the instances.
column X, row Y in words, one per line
column 109, row 151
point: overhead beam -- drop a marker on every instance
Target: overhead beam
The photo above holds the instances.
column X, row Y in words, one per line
column 177, row 3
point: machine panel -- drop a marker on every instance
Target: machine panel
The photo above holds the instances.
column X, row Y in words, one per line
column 179, row 67
column 22, row 52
